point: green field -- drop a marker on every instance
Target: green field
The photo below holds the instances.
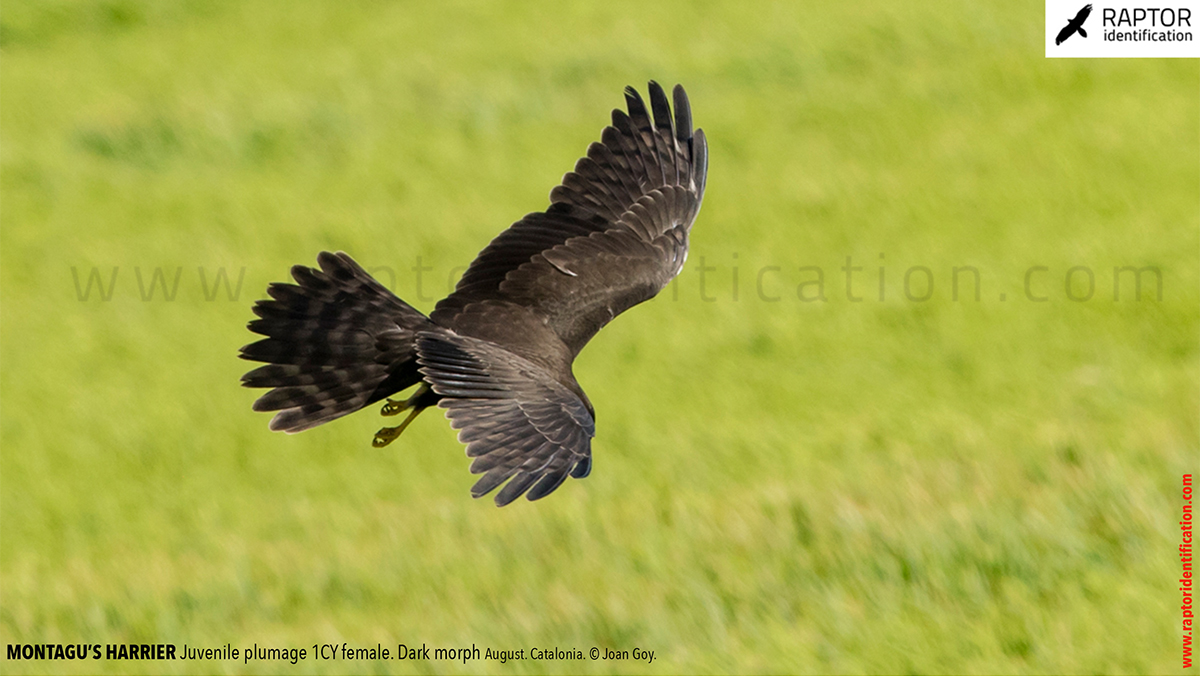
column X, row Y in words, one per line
column 780, row 485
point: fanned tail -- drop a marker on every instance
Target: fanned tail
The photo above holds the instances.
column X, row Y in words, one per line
column 336, row 341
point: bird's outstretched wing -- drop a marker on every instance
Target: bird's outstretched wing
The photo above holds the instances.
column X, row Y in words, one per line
column 1082, row 15
column 518, row 422
column 615, row 232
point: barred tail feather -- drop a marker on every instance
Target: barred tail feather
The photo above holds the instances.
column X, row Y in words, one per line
column 336, row 341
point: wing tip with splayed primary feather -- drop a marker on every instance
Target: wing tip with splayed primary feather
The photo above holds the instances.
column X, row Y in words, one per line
column 683, row 114
column 635, row 156
column 524, row 431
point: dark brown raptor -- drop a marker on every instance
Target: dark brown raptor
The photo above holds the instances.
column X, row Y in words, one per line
column 497, row 353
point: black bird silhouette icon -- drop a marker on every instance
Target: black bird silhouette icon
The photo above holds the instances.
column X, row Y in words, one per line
column 1074, row 25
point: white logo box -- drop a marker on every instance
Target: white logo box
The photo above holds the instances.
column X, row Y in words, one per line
column 1145, row 29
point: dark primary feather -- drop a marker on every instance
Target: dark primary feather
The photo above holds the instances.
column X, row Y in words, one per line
column 517, row 421
column 497, row 353
column 637, row 157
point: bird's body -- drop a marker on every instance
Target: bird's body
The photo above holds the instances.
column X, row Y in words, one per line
column 497, row 352
column 1074, row 25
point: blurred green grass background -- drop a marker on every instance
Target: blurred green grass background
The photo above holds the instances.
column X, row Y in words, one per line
column 779, row 486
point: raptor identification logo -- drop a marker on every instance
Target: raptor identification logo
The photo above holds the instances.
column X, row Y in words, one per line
column 1137, row 29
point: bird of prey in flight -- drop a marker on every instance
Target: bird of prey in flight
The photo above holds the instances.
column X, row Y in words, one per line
column 496, row 353
column 1074, row 25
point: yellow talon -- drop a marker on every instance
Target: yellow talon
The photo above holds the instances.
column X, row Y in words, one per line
column 393, row 407
column 387, row 435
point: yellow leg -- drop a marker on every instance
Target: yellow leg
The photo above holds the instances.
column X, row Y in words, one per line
column 387, row 435
column 393, row 407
